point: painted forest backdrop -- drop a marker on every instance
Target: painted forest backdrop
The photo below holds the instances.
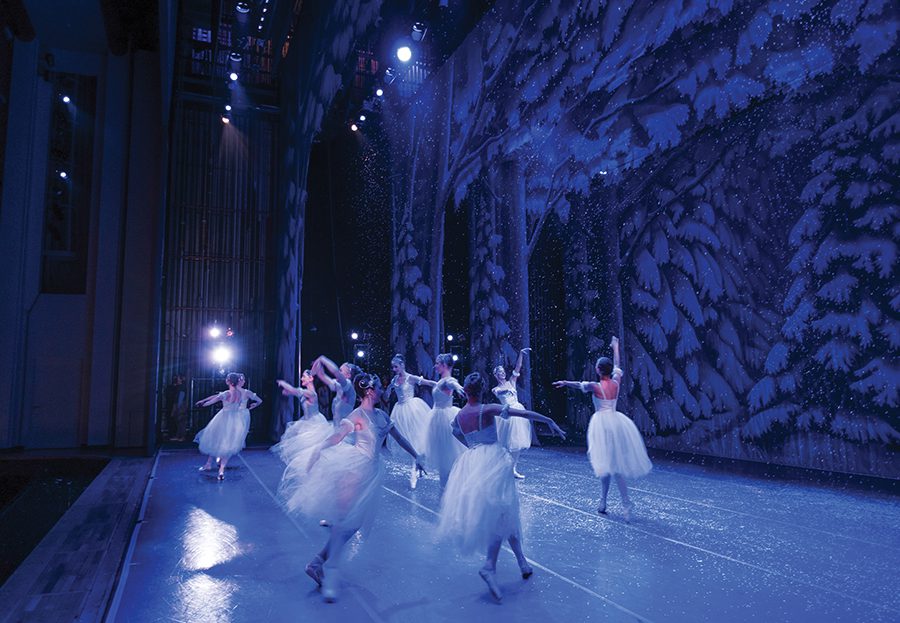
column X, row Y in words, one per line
column 714, row 181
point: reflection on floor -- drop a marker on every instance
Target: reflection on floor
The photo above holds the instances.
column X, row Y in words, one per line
column 703, row 546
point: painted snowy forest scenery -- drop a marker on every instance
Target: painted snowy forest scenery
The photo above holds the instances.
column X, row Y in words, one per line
column 714, row 181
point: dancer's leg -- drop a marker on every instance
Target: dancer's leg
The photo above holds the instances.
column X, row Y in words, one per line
column 515, row 458
column 623, row 492
column 488, row 571
column 515, row 542
column 604, row 492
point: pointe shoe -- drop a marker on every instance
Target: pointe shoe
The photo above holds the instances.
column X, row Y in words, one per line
column 314, row 570
column 526, row 570
column 518, row 476
column 602, row 508
column 490, row 579
column 220, row 477
column 205, row 468
column 324, row 523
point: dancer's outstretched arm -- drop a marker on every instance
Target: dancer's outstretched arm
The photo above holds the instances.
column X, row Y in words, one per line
column 517, row 371
column 289, row 390
column 497, row 411
column 585, row 386
column 209, row 400
column 343, row 429
column 403, row 442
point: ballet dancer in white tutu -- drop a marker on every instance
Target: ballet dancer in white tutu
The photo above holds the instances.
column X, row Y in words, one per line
column 480, row 506
column 342, row 481
column 514, row 434
column 226, row 433
column 441, row 447
column 615, row 446
column 411, row 414
column 312, row 427
column 340, row 382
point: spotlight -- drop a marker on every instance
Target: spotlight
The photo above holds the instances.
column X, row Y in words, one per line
column 354, row 128
column 262, row 18
column 379, row 92
column 225, row 120
column 354, row 336
column 449, row 338
column 362, row 117
column 360, row 353
column 404, row 53
column 66, row 99
column 236, row 57
column 228, row 107
column 243, row 7
column 221, row 355
column 63, row 174
column 418, row 31
column 259, row 27
column 265, row 8
column 215, row 332
column 455, row 357
column 233, row 76
column 390, row 74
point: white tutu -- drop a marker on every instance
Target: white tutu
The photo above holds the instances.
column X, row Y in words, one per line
column 225, row 434
column 615, row 446
column 302, row 436
column 514, row 433
column 342, row 487
column 411, row 417
column 480, row 503
column 442, row 448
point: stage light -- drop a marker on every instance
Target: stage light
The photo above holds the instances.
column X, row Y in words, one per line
column 354, row 336
column 404, row 53
column 418, row 31
column 455, row 357
column 66, row 99
column 262, row 18
column 63, row 174
column 265, row 8
column 215, row 332
column 242, row 7
column 449, row 338
column 354, row 127
column 237, row 57
column 362, row 117
column 221, row 355
column 233, row 76
column 379, row 92
column 390, row 74
column 225, row 120
column 228, row 107
column 360, row 353
column 259, row 27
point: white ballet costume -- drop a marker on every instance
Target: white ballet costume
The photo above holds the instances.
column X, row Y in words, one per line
column 411, row 414
column 615, row 446
column 343, row 485
column 305, row 434
column 442, row 448
column 226, row 432
column 480, row 503
column 513, row 433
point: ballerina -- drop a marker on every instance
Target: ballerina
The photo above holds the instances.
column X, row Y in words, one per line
column 513, row 434
column 480, row 506
column 342, row 481
column 226, row 433
column 311, row 428
column 340, row 382
column 411, row 414
column 615, row 446
column 441, row 447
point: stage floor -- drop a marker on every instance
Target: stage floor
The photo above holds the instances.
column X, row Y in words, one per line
column 704, row 545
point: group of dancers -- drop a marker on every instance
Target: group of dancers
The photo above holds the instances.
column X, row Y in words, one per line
column 333, row 470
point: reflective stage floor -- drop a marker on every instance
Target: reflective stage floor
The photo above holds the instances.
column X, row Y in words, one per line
column 704, row 545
